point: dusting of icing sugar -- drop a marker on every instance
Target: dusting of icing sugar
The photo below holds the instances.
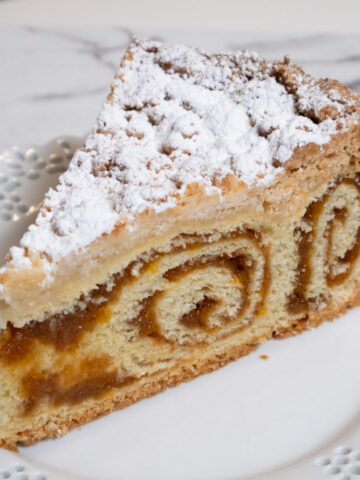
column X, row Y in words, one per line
column 176, row 116
column 18, row 258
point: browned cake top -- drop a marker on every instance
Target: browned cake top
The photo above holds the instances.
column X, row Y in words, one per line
column 178, row 117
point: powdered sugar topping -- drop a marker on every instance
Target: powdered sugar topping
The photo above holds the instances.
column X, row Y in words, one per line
column 176, row 116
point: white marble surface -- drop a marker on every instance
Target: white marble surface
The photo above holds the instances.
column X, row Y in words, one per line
column 301, row 16
column 53, row 80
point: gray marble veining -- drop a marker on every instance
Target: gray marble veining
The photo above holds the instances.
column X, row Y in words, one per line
column 53, row 80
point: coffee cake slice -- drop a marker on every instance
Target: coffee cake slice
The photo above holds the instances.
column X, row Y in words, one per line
column 215, row 205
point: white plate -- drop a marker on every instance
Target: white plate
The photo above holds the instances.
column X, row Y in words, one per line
column 294, row 416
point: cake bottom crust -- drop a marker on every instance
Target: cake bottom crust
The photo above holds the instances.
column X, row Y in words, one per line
column 57, row 425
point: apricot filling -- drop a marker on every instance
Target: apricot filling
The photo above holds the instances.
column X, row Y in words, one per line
column 96, row 376
column 96, row 379
column 64, row 330
column 298, row 301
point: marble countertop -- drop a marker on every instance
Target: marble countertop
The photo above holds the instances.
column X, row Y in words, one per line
column 53, row 80
column 300, row 16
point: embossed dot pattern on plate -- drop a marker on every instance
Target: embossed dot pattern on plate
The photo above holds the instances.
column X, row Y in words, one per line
column 17, row 167
column 343, row 464
column 17, row 471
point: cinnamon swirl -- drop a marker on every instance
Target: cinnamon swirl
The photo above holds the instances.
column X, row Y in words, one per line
column 215, row 205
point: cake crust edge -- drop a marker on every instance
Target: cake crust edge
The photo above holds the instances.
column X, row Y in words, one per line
column 160, row 381
column 292, row 184
column 289, row 190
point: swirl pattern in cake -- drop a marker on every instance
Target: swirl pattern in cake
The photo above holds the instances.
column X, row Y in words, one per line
column 328, row 243
column 216, row 205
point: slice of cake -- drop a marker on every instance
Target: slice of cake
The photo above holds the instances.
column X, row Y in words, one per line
column 215, row 205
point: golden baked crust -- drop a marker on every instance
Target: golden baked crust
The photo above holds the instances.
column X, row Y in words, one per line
column 58, row 425
column 298, row 179
column 152, row 385
column 24, row 300
column 132, row 282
